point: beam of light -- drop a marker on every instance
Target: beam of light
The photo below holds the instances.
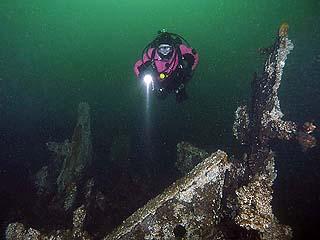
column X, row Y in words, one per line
column 147, row 127
column 148, row 98
column 149, row 88
column 148, row 80
column 148, row 105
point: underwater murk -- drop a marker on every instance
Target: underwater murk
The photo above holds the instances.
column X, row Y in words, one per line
column 89, row 152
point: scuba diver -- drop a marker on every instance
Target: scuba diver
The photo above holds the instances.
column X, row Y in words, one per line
column 167, row 64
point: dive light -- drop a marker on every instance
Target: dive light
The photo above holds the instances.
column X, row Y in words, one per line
column 148, row 76
column 147, row 79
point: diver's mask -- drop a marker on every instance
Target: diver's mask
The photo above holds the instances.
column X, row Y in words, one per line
column 165, row 51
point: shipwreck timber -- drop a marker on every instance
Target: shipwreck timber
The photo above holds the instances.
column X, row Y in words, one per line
column 256, row 126
column 192, row 204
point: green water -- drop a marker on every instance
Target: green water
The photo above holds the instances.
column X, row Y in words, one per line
column 57, row 53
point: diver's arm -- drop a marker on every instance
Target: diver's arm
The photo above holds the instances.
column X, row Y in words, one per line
column 190, row 52
column 139, row 66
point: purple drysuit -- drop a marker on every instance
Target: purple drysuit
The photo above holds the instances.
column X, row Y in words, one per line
column 163, row 65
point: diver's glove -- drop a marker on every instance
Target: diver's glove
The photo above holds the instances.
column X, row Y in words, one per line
column 179, row 88
column 161, row 93
column 181, row 94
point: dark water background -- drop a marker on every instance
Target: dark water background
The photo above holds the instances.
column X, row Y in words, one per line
column 55, row 54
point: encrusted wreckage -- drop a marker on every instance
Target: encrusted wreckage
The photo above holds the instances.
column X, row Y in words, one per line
column 256, row 127
column 186, row 209
column 219, row 198
column 263, row 121
column 79, row 156
column 190, row 209
column 71, row 160
column 254, row 205
column 17, row 231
